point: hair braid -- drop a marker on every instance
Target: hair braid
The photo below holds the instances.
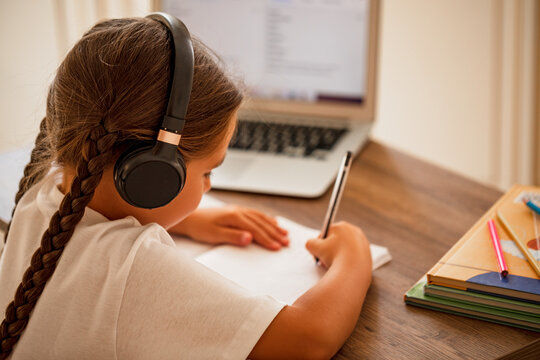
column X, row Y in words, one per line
column 37, row 167
column 61, row 227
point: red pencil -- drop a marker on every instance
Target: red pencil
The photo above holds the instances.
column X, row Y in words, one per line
column 503, row 269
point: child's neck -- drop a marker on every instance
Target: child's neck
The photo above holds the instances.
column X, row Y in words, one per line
column 103, row 191
column 108, row 202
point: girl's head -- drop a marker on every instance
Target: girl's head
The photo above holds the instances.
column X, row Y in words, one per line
column 109, row 92
column 117, row 77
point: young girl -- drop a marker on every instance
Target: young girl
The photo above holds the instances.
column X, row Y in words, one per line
column 106, row 280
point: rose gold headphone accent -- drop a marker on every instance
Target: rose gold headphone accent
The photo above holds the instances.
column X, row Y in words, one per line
column 169, row 137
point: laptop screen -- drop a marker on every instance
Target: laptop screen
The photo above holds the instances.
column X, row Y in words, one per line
column 304, row 50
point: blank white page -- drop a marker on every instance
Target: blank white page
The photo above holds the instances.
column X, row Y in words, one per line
column 284, row 274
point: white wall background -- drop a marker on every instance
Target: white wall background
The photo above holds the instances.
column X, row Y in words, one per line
column 452, row 84
column 456, row 85
column 28, row 58
column 435, row 82
column 35, row 35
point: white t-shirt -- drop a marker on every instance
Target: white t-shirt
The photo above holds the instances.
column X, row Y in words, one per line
column 124, row 291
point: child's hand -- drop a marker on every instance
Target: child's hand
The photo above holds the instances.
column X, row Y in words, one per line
column 345, row 242
column 317, row 324
column 233, row 225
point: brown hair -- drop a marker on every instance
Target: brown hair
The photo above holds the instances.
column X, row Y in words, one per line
column 110, row 90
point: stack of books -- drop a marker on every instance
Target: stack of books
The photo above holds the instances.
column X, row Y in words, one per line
column 469, row 279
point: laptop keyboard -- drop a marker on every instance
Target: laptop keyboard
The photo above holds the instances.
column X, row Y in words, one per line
column 286, row 139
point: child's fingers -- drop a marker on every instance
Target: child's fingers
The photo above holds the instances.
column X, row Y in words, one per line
column 235, row 236
column 244, row 222
column 270, row 220
column 314, row 246
column 271, row 232
column 261, row 230
column 271, row 227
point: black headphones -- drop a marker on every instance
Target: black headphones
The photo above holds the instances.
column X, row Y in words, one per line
column 150, row 176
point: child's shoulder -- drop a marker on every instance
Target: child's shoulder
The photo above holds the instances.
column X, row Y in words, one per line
column 123, row 236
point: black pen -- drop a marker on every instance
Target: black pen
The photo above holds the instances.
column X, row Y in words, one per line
column 339, row 185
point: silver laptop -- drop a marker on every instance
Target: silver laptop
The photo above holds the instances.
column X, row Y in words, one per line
column 309, row 66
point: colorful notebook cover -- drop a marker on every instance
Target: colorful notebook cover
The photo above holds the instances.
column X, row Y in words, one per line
column 415, row 296
column 471, row 263
column 523, row 225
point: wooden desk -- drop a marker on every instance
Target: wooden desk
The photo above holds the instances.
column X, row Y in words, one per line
column 418, row 211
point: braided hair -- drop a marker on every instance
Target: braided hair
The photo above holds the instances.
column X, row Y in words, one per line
column 110, row 90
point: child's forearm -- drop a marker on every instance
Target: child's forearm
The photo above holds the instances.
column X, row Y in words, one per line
column 337, row 299
column 319, row 322
column 179, row 229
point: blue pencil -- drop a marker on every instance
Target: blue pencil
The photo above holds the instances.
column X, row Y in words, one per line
column 532, row 206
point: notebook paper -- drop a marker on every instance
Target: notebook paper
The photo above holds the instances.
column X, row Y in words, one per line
column 284, row 274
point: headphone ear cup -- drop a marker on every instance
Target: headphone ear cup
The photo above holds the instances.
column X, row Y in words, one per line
column 182, row 167
column 150, row 176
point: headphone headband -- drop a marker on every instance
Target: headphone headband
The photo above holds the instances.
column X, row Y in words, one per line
column 150, row 176
column 182, row 77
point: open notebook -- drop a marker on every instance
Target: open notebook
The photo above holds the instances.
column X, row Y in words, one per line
column 285, row 274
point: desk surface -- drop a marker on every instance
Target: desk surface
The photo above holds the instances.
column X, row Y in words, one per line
column 418, row 211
